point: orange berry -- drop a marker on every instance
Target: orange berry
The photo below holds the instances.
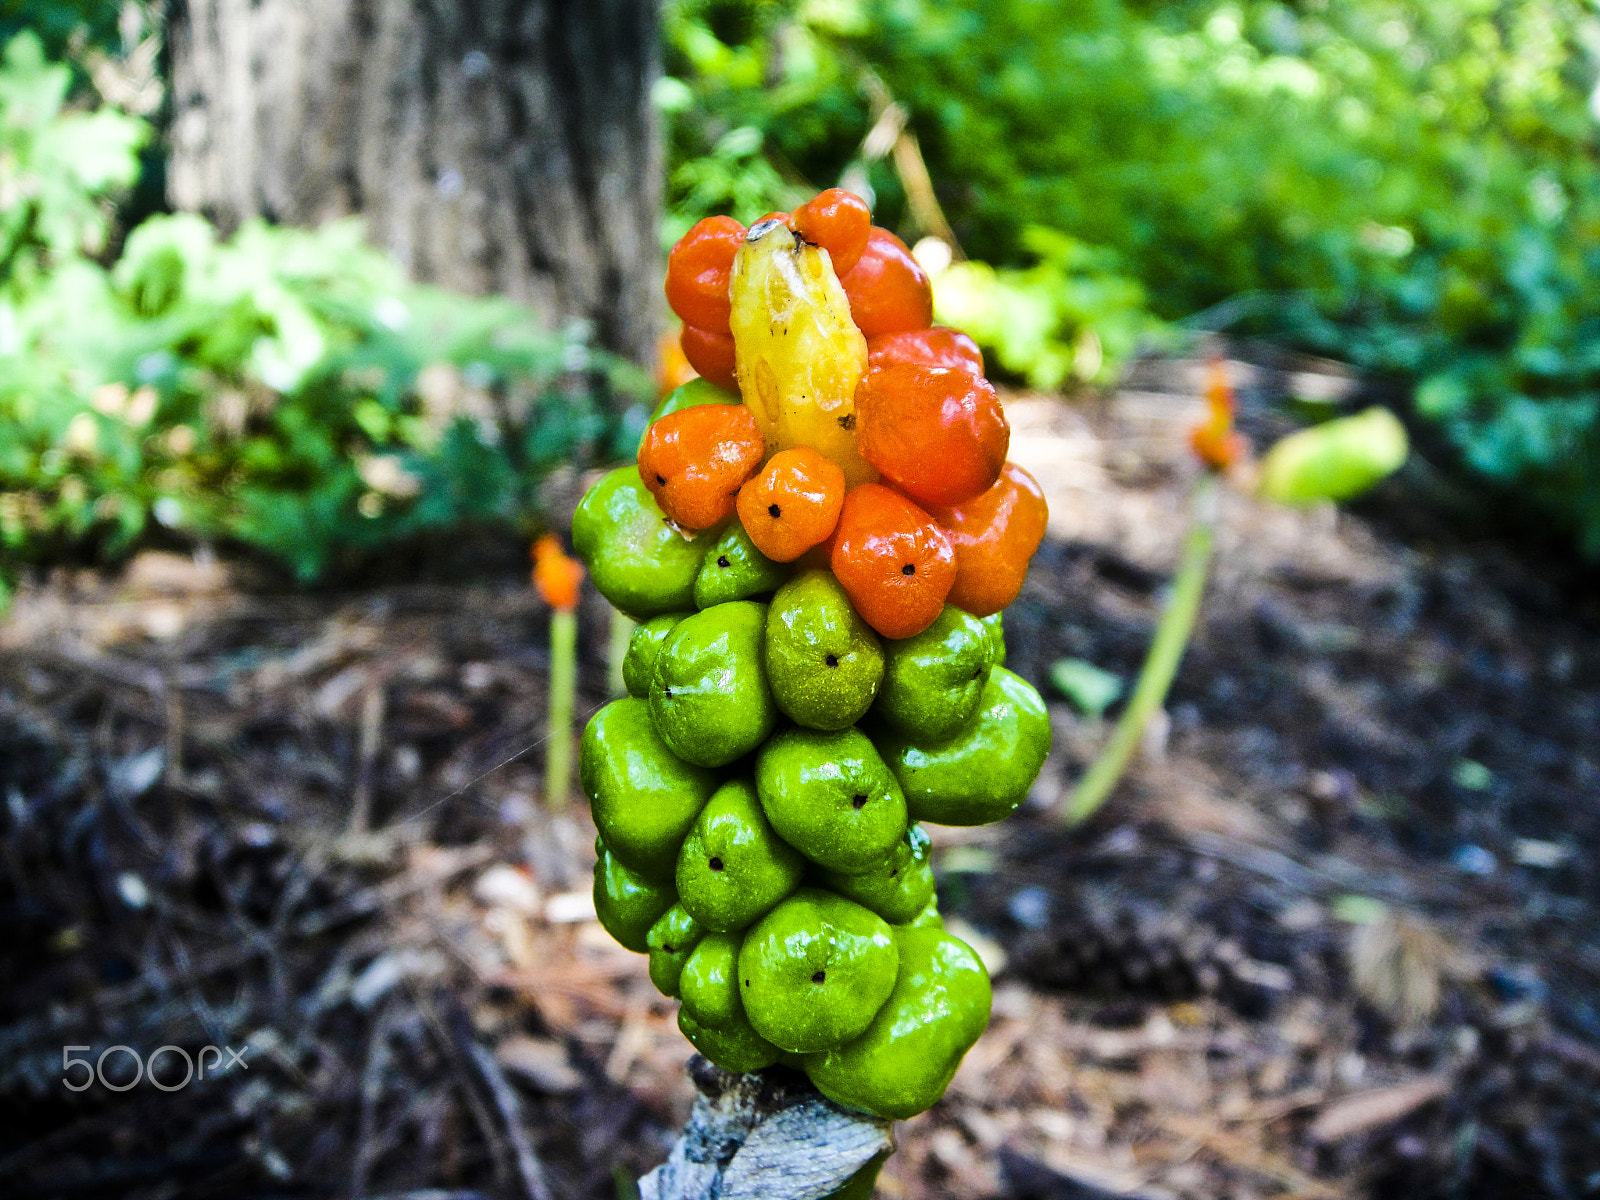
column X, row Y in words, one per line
column 936, row 347
column 1218, row 449
column 793, row 504
column 839, row 222
column 893, row 562
column 994, row 537
column 695, row 460
column 710, row 354
column 555, row 575
column 889, row 292
column 937, row 433
column 1214, row 440
column 699, row 270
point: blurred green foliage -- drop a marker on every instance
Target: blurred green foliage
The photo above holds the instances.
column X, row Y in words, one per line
column 1411, row 186
column 65, row 26
column 1072, row 316
column 284, row 389
column 758, row 100
column 59, row 165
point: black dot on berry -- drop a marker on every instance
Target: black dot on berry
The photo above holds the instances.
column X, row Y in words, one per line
column 668, row 949
column 722, row 561
column 909, row 569
column 894, row 873
column 715, row 864
column 860, row 800
column 774, row 511
column 660, row 480
column 832, row 660
column 819, row 977
column 667, row 692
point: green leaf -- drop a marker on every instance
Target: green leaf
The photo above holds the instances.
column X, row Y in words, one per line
column 1091, row 689
column 1336, row 460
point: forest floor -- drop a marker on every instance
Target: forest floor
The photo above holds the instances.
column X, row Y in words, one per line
column 1338, row 934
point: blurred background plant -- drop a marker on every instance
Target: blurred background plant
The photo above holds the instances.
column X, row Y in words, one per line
column 284, row 389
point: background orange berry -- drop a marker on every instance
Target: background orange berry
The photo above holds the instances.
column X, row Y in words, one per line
column 936, row 347
column 889, row 292
column 695, row 460
column 1214, row 440
column 994, row 536
column 555, row 575
column 936, row 433
column 793, row 503
column 893, row 562
column 839, row 222
column 711, row 354
column 699, row 270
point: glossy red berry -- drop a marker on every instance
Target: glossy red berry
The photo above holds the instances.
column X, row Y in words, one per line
column 839, row 222
column 994, row 536
column 699, row 270
column 792, row 504
column 695, row 460
column 936, row 347
column 889, row 292
column 936, row 433
column 894, row 563
column 711, row 355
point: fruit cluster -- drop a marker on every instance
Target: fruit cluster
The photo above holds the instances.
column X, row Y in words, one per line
column 817, row 540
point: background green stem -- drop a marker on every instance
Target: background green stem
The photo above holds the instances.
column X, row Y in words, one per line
column 1161, row 663
column 563, row 686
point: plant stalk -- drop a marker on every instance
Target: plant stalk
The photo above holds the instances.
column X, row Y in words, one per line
column 563, row 688
column 1161, row 662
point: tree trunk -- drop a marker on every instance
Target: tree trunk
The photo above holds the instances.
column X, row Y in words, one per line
column 493, row 146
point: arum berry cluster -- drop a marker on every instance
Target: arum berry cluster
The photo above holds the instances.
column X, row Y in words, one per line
column 817, row 541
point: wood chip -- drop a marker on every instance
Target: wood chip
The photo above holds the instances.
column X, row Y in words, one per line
column 541, row 1062
column 1378, row 1106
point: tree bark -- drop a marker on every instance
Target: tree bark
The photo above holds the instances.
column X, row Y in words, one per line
column 493, row 146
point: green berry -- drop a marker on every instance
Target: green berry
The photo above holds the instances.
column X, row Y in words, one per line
column 670, row 942
column 898, row 888
column 709, row 985
column 643, row 797
column 902, row 1063
column 823, row 661
column 735, row 570
column 933, row 681
column 708, row 691
column 737, row 1047
column 733, row 867
column 831, row 797
column 627, row 902
column 638, row 559
column 983, row 772
column 643, row 647
column 815, row 970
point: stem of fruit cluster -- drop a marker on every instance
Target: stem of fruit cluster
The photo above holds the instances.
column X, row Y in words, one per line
column 622, row 628
column 1161, row 663
column 563, row 687
column 774, row 1136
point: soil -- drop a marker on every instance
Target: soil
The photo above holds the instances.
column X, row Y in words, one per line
column 1336, row 934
